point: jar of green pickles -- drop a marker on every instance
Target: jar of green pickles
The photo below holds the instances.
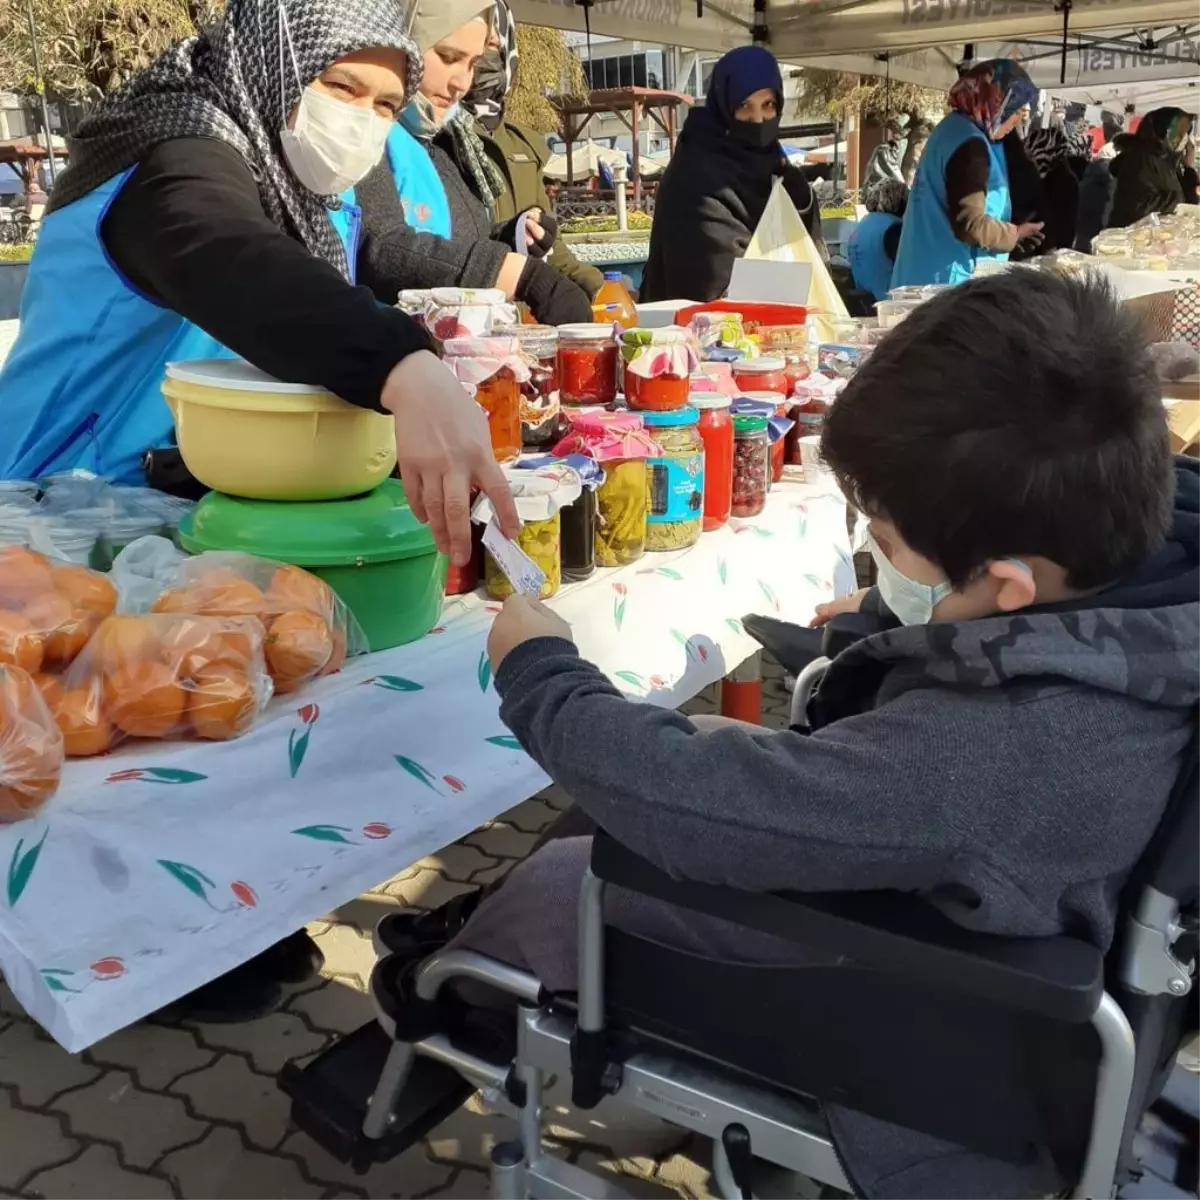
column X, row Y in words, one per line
column 620, row 444
column 540, row 495
column 675, row 502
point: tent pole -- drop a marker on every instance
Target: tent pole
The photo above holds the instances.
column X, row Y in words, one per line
column 1066, row 12
column 41, row 86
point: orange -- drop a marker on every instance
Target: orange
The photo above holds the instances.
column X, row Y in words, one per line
column 86, row 589
column 64, row 630
column 51, row 688
column 145, row 699
column 86, row 730
column 176, row 600
column 31, row 747
column 123, row 641
column 337, row 660
column 299, row 645
column 24, row 574
column 292, row 589
column 20, row 645
column 195, row 645
column 221, row 704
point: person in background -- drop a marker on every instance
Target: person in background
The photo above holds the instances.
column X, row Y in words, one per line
column 1155, row 168
column 447, row 183
column 960, row 209
column 199, row 216
column 876, row 238
column 717, row 184
column 1096, row 189
column 520, row 154
column 884, row 164
column 1051, row 150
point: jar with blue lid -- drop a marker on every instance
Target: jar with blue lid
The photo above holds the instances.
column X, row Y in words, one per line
column 675, row 480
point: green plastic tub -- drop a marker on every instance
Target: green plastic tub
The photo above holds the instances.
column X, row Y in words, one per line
column 371, row 550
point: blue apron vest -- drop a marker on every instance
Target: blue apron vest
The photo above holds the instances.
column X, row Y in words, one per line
column 422, row 193
column 929, row 251
column 869, row 262
column 82, row 385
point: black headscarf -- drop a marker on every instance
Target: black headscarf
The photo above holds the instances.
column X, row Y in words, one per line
column 736, row 77
column 237, row 83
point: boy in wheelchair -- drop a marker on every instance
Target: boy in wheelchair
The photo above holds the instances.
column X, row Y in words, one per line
column 1003, row 746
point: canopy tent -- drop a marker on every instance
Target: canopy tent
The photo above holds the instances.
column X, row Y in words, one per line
column 585, row 162
column 916, row 41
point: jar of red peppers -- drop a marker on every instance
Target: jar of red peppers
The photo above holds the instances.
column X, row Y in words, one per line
column 658, row 368
column 751, row 465
column 495, row 368
column 766, row 374
column 587, row 364
column 539, row 395
column 716, row 432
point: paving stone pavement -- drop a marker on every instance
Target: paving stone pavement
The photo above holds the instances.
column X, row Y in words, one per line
column 193, row 1111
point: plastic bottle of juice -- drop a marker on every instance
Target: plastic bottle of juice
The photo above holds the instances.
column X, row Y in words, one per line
column 614, row 303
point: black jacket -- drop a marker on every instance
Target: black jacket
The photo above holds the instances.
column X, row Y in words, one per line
column 710, row 200
column 1150, row 179
column 1095, row 202
column 188, row 230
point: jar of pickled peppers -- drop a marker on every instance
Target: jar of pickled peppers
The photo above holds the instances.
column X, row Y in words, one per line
column 496, row 370
column 658, row 368
column 540, row 394
column 587, row 364
column 716, row 432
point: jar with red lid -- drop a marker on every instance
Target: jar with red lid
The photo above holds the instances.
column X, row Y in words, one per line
column 766, row 374
column 587, row 364
column 778, row 438
column 658, row 367
column 495, row 369
column 751, row 465
column 716, row 432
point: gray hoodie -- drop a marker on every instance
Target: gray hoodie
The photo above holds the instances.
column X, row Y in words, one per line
column 1010, row 770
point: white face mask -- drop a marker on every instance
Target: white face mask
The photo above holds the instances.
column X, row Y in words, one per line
column 912, row 602
column 334, row 145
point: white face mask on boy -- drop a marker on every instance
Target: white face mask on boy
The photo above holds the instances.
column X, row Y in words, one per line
column 334, row 145
column 911, row 602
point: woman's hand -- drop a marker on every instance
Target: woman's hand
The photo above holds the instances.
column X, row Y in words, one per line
column 444, row 452
column 534, row 230
column 1029, row 234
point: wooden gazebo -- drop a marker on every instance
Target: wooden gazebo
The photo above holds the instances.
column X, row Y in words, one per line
column 634, row 106
column 25, row 155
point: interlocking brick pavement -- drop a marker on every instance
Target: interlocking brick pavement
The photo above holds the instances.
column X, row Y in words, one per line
column 193, row 1110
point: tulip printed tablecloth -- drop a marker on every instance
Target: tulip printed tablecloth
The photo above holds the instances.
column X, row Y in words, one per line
column 161, row 866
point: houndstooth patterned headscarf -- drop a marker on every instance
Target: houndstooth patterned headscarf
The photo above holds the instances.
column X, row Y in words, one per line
column 486, row 99
column 236, row 83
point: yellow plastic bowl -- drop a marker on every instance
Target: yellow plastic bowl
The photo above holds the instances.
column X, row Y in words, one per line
column 245, row 434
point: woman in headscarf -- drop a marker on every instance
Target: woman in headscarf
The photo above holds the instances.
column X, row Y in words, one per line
column 1151, row 167
column 200, row 212
column 520, row 154
column 719, row 180
column 1051, row 150
column 448, row 183
column 960, row 210
column 875, row 239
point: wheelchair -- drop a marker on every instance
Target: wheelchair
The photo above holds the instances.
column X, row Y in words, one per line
column 989, row 1042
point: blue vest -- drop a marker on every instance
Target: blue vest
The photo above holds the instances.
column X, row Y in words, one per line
column 869, row 261
column 929, row 250
column 82, row 386
column 422, row 192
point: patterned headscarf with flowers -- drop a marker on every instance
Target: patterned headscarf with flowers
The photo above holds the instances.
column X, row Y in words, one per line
column 990, row 93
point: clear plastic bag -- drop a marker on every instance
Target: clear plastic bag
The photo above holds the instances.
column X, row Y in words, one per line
column 143, row 571
column 164, row 677
column 310, row 631
column 31, row 747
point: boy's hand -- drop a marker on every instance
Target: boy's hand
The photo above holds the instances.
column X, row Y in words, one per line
column 847, row 604
column 522, row 619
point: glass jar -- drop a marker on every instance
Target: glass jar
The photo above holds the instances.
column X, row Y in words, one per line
column 658, row 368
column 675, row 503
column 460, row 581
column 500, row 397
column 621, row 504
column 579, row 537
column 771, row 404
column 716, row 432
column 751, row 465
column 766, row 374
column 493, row 369
column 540, row 393
column 541, row 540
column 587, row 364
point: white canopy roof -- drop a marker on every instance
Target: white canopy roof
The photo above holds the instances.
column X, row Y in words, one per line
column 586, row 158
column 923, row 39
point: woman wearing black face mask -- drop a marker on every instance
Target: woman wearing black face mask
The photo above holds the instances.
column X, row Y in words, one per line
column 714, row 191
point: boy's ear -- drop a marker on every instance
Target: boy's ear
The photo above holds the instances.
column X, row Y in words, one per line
column 1015, row 587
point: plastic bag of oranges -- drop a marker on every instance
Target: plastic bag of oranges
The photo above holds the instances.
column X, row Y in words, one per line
column 309, row 631
column 48, row 611
column 31, row 747
column 164, row 677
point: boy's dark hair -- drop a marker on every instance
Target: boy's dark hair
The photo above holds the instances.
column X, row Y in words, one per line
column 1014, row 415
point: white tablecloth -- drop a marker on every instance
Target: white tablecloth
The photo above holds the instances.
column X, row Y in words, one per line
column 160, row 867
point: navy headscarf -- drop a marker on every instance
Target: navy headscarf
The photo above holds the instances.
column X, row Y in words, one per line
column 740, row 74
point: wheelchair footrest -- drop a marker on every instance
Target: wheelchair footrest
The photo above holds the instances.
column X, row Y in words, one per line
column 330, row 1098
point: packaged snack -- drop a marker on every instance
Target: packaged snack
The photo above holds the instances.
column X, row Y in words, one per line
column 309, row 630
column 162, row 677
column 31, row 747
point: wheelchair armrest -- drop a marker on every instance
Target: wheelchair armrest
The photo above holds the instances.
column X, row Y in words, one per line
column 1056, row 977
